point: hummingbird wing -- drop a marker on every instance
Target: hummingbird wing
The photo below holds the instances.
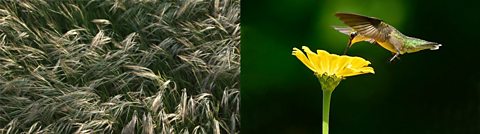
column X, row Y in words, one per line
column 344, row 30
column 349, row 31
column 367, row 26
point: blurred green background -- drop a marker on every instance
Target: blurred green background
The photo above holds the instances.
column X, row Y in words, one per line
column 428, row 92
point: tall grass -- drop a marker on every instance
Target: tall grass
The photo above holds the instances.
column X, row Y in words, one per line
column 119, row 66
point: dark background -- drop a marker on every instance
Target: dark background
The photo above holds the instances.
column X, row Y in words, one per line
column 428, row 92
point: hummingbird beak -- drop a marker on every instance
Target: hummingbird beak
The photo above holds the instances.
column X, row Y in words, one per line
column 348, row 46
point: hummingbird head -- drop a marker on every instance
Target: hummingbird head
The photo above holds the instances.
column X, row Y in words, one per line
column 352, row 36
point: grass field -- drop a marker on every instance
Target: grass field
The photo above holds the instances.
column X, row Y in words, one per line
column 120, row 66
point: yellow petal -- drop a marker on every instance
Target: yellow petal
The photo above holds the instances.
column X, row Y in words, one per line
column 313, row 58
column 334, row 59
column 324, row 59
column 352, row 72
column 367, row 70
column 341, row 63
column 301, row 56
column 347, row 70
column 359, row 62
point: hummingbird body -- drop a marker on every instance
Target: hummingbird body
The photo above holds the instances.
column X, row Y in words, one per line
column 363, row 28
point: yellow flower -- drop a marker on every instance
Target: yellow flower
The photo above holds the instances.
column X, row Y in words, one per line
column 331, row 64
column 331, row 68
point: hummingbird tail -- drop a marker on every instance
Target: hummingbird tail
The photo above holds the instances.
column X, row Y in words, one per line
column 432, row 46
column 436, row 47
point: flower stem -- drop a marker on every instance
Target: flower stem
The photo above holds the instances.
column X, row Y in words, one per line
column 326, row 110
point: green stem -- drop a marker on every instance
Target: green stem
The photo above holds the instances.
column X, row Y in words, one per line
column 326, row 110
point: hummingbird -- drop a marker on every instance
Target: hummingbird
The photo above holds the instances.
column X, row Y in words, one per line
column 376, row 31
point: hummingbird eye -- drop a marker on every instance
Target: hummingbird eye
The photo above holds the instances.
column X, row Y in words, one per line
column 353, row 34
